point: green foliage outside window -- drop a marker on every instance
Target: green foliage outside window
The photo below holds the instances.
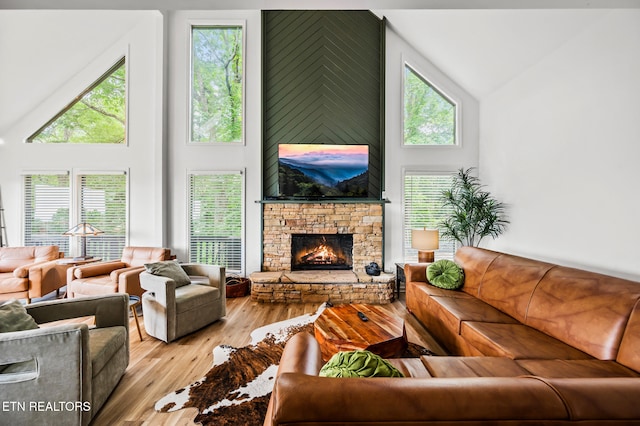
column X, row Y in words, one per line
column 97, row 116
column 429, row 117
column 216, row 84
column 215, row 222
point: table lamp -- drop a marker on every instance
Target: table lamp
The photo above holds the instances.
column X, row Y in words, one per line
column 426, row 241
column 83, row 230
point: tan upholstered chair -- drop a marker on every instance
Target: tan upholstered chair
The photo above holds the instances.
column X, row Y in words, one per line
column 117, row 276
column 30, row 271
column 172, row 311
column 70, row 362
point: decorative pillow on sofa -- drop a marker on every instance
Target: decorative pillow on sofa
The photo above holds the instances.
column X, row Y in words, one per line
column 14, row 317
column 169, row 269
column 445, row 274
column 359, row 364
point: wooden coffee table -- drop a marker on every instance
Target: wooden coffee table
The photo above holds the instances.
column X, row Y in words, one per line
column 340, row 329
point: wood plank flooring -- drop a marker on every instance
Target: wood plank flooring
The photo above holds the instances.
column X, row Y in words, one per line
column 157, row 368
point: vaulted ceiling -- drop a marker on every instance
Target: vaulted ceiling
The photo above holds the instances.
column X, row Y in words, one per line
column 481, row 44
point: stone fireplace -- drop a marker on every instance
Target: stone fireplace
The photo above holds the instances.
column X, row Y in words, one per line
column 292, row 231
column 364, row 221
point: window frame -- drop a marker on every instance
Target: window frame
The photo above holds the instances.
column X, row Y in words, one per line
column 206, row 23
column 406, row 231
column 443, row 91
column 123, row 60
column 243, row 188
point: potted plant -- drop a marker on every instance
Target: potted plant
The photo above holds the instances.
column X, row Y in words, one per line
column 475, row 214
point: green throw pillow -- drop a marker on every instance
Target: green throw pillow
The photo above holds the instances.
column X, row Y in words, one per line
column 445, row 274
column 359, row 364
column 169, row 269
column 14, row 317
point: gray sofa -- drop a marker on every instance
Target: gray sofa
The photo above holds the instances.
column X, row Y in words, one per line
column 62, row 374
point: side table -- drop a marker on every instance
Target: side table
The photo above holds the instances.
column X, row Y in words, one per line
column 134, row 302
column 400, row 278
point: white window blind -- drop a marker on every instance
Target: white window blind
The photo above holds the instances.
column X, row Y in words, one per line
column 216, row 219
column 103, row 203
column 46, row 210
column 423, row 208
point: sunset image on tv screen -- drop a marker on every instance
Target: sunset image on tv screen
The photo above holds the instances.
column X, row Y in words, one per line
column 318, row 170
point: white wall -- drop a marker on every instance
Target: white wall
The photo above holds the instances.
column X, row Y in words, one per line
column 399, row 158
column 184, row 157
column 560, row 144
column 48, row 58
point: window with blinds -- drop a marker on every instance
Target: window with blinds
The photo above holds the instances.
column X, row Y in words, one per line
column 216, row 219
column 423, row 208
column 103, row 204
column 46, row 210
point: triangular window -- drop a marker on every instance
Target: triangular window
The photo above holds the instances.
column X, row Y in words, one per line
column 429, row 116
column 97, row 115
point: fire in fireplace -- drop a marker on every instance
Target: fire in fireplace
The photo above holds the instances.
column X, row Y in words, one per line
column 321, row 252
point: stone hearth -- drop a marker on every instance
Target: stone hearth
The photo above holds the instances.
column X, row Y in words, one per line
column 322, row 286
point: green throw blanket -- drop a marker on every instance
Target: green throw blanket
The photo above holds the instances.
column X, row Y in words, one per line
column 359, row 364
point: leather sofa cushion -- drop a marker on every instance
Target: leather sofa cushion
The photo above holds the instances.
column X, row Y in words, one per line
column 604, row 399
column 586, row 310
column 11, row 284
column 474, row 262
column 516, row 341
column 192, row 296
column 138, row 256
column 484, row 366
column 93, row 285
column 453, row 311
column 14, row 257
column 629, row 353
column 103, row 344
column 575, row 368
column 509, row 283
column 410, row 367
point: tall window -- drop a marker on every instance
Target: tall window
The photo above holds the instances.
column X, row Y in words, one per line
column 217, row 83
column 429, row 115
column 46, row 210
column 97, row 115
column 423, row 208
column 216, row 219
column 103, row 203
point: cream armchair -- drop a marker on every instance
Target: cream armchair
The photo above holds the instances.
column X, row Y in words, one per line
column 70, row 366
column 172, row 311
column 30, row 271
column 117, row 276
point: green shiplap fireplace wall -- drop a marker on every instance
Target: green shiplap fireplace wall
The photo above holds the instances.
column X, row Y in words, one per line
column 323, row 82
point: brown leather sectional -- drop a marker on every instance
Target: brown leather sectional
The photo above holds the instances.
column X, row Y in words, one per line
column 530, row 342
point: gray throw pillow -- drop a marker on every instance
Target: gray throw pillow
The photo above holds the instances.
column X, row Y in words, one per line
column 169, row 269
column 14, row 317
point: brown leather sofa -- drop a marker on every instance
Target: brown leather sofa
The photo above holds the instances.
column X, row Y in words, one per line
column 116, row 276
column 531, row 343
column 30, row 271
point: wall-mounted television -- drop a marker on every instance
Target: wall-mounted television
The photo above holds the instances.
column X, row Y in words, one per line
column 322, row 170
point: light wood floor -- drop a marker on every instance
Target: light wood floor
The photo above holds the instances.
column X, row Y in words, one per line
column 157, row 368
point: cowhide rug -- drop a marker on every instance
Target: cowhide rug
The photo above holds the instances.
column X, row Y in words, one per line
column 237, row 388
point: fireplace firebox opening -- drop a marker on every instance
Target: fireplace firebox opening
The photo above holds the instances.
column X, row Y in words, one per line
column 321, row 252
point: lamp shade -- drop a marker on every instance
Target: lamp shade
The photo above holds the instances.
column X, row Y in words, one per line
column 425, row 239
column 83, row 229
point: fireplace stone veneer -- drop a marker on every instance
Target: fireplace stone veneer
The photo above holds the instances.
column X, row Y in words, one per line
column 282, row 220
column 277, row 283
